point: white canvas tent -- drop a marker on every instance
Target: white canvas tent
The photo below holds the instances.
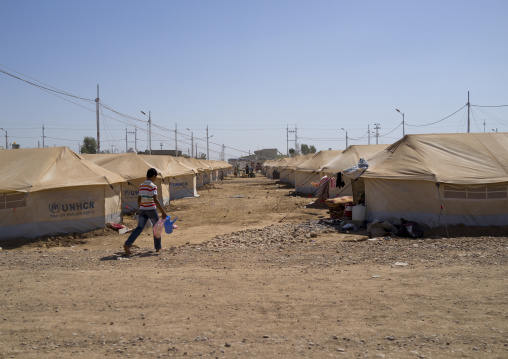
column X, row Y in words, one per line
column 346, row 159
column 132, row 168
column 206, row 174
column 441, row 179
column 288, row 173
column 182, row 179
column 198, row 170
column 50, row 191
column 309, row 171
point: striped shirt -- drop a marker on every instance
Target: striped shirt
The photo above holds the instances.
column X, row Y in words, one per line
column 146, row 191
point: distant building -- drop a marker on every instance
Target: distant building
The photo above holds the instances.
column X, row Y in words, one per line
column 163, row 153
column 256, row 160
column 268, row 154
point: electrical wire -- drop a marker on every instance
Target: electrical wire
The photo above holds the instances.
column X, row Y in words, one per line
column 432, row 123
column 46, row 88
column 386, row 134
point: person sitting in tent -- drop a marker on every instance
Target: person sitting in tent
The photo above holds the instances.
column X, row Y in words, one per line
column 147, row 210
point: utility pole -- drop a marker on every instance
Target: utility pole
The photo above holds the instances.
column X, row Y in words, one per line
column 297, row 150
column 484, row 126
column 223, row 152
column 468, row 110
column 403, row 129
column 287, row 140
column 346, row 138
column 43, row 136
column 192, row 142
column 207, row 148
column 6, row 144
column 176, row 139
column 196, row 149
column 149, row 131
column 368, row 133
column 135, row 133
column 161, row 146
column 296, row 137
column 377, row 127
column 97, row 101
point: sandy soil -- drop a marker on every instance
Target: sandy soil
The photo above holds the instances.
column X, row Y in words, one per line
column 250, row 273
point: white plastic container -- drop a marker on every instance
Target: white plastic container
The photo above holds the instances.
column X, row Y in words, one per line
column 359, row 213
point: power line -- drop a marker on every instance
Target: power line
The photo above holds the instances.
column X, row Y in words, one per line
column 45, row 88
column 432, row 123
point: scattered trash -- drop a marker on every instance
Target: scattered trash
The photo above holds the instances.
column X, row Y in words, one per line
column 400, row 264
column 124, row 230
column 410, row 229
column 376, row 276
column 380, row 229
column 118, row 227
column 350, row 226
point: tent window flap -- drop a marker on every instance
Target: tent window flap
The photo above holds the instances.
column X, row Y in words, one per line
column 11, row 201
column 475, row 192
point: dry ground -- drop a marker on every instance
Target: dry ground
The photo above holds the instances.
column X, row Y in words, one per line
column 250, row 274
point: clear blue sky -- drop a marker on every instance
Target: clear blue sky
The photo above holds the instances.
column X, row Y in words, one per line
column 248, row 69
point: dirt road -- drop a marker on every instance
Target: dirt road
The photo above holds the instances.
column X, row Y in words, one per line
column 250, row 273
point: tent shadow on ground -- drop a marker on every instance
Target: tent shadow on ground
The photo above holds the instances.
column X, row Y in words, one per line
column 43, row 241
column 465, row 231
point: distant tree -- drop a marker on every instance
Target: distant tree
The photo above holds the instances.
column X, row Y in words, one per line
column 202, row 156
column 89, row 145
column 305, row 149
column 291, row 152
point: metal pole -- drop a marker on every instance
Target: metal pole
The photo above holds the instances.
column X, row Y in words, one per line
column 297, row 150
column 43, row 136
column 468, row 108
column 287, row 140
column 98, row 132
column 150, row 131
column 403, row 126
column 368, row 132
column 207, row 148
column 377, row 133
column 403, row 129
column 176, row 140
column 126, row 145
